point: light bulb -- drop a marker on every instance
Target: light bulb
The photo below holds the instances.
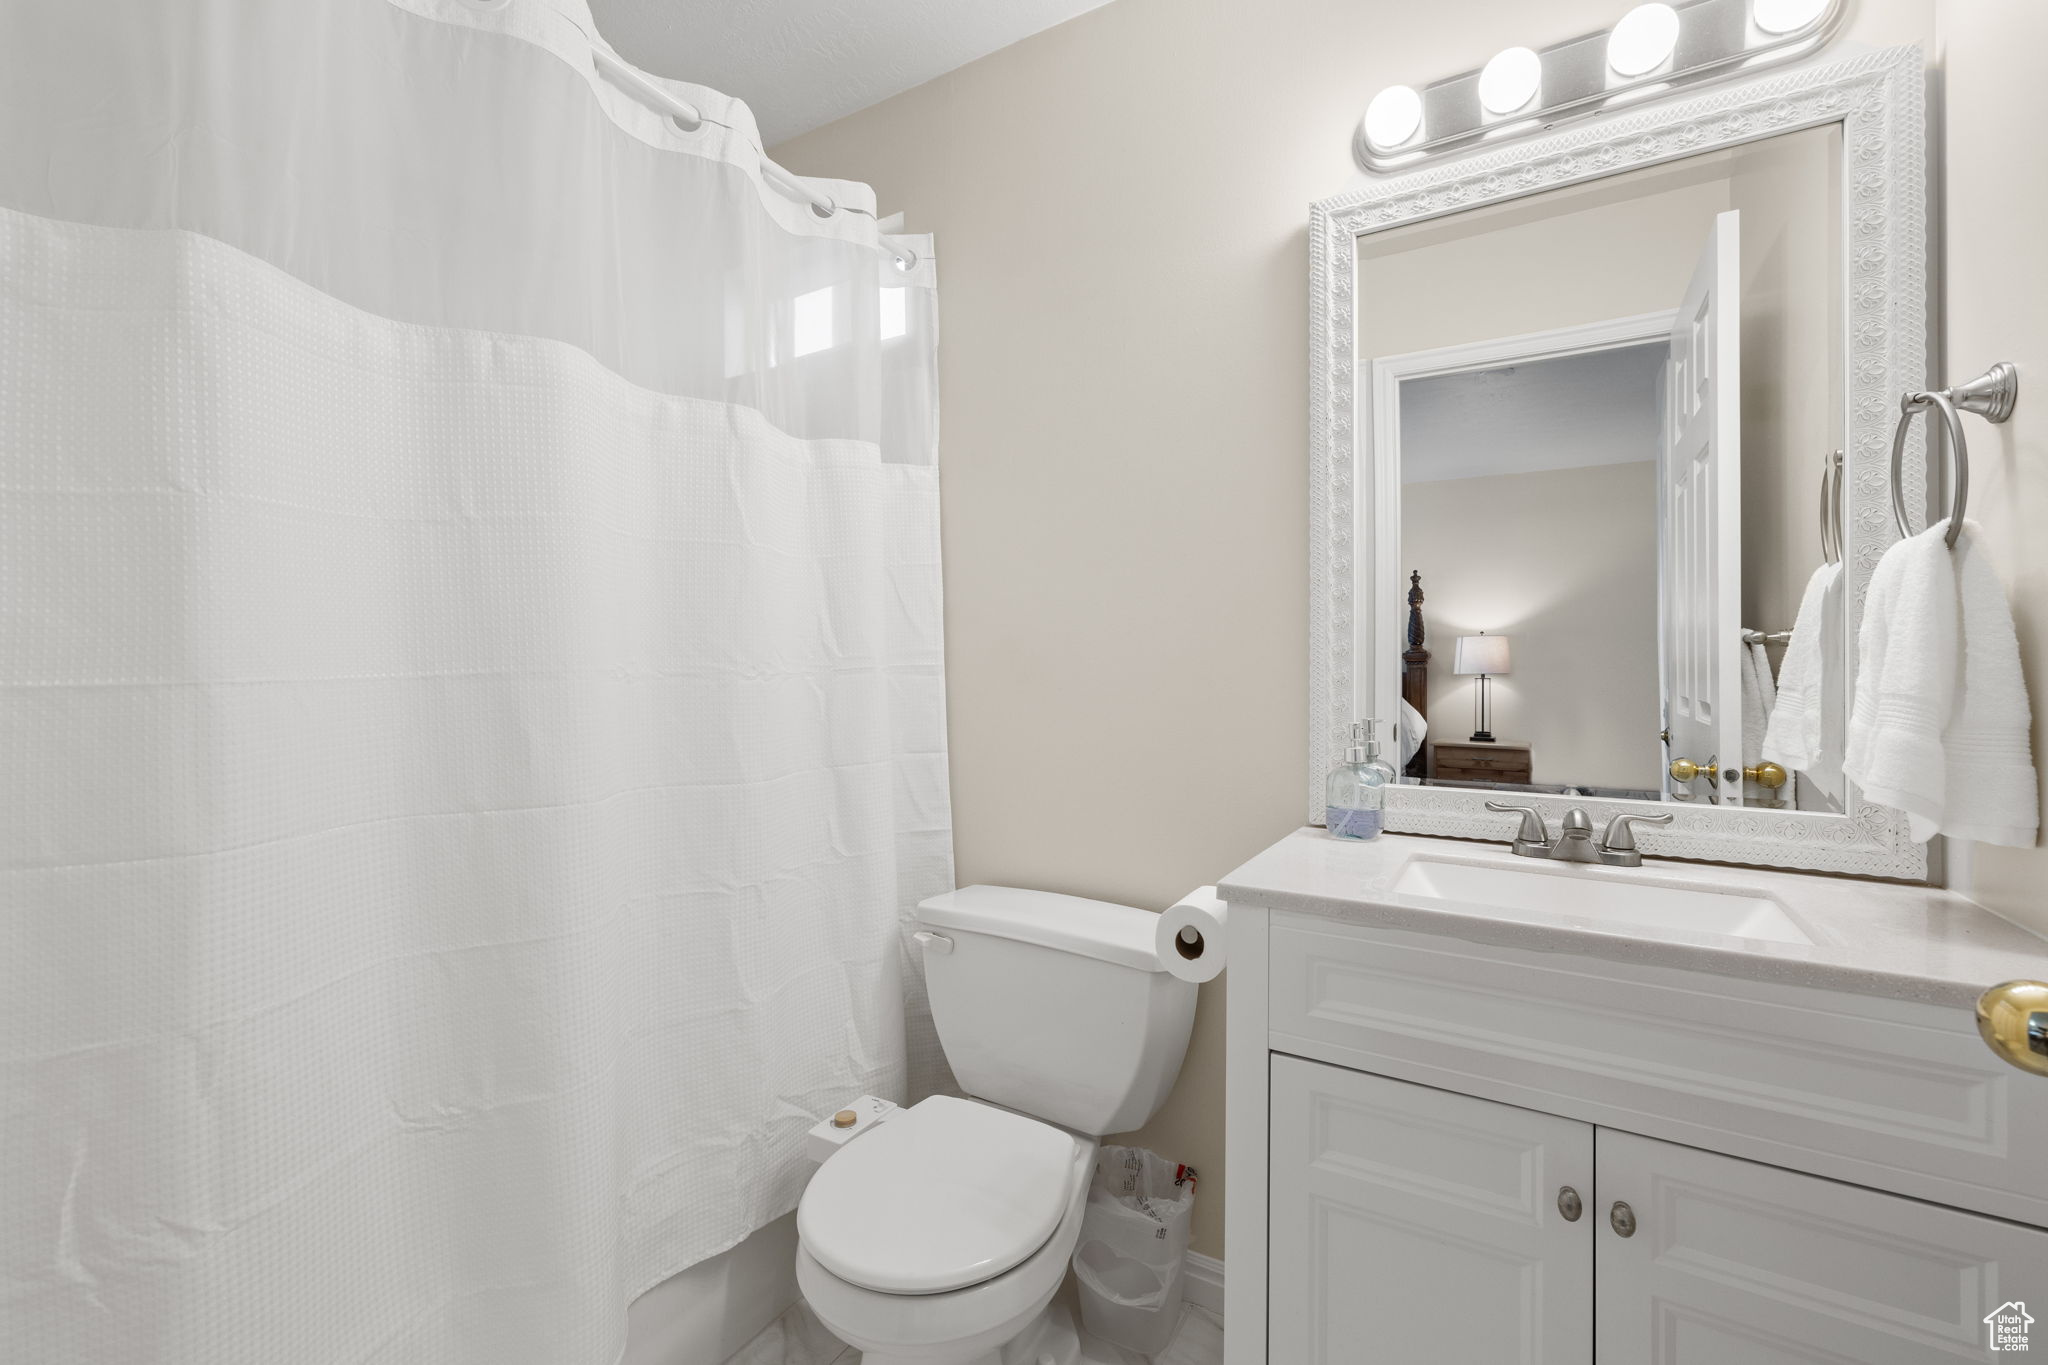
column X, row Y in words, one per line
column 1393, row 116
column 1786, row 16
column 1643, row 40
column 1510, row 80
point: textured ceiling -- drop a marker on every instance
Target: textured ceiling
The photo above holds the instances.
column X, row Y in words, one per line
column 799, row 64
column 1564, row 413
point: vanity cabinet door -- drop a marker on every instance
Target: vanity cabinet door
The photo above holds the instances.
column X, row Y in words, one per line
column 1736, row 1263
column 1409, row 1224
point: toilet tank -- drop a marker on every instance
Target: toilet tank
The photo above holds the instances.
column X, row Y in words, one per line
column 1055, row 1006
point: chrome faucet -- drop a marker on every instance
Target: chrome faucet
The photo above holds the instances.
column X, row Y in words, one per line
column 1574, row 842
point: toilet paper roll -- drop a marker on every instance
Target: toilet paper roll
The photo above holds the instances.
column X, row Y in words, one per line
column 1190, row 935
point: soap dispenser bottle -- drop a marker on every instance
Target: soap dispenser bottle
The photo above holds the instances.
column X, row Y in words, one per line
column 1355, row 799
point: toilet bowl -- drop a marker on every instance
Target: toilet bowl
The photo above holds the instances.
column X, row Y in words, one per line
column 941, row 1235
column 993, row 1316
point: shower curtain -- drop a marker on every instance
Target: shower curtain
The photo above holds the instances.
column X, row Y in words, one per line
column 471, row 706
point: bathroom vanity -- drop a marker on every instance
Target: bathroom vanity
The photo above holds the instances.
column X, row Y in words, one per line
column 1519, row 1110
column 1597, row 413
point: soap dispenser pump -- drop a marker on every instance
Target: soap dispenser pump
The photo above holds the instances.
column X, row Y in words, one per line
column 1355, row 799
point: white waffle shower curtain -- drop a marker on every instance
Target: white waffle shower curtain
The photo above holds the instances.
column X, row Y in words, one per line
column 471, row 709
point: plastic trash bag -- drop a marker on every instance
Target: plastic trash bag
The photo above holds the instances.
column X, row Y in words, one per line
column 1131, row 1260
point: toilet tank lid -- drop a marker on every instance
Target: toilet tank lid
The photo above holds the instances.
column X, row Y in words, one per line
column 1121, row 934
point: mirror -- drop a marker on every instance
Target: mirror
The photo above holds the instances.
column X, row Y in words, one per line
column 1600, row 427
column 1612, row 410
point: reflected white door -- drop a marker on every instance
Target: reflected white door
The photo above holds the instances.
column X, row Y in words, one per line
column 1702, row 578
column 1414, row 1225
column 1734, row 1263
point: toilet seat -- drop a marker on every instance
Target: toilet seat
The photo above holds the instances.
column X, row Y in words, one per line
column 946, row 1194
column 960, row 1325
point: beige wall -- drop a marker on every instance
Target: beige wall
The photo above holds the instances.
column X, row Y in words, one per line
column 1121, row 204
column 1583, row 630
column 1997, row 309
column 1586, row 253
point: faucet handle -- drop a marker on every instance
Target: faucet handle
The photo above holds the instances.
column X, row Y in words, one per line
column 1621, row 835
column 1533, row 834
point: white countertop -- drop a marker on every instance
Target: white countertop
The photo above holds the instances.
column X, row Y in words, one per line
column 1871, row 938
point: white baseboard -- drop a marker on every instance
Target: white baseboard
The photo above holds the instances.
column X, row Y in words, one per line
column 1204, row 1285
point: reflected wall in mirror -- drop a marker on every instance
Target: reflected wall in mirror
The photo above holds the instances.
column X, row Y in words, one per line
column 1605, row 404
column 1607, row 418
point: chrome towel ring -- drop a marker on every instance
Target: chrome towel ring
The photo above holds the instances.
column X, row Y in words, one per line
column 1991, row 395
column 1831, row 508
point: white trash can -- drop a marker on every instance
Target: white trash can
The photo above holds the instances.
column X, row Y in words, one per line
column 1132, row 1260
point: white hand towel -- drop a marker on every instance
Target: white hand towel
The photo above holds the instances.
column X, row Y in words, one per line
column 1906, row 664
column 1992, row 794
column 1766, row 681
column 1758, row 694
column 1809, row 682
column 1759, row 704
column 1940, row 728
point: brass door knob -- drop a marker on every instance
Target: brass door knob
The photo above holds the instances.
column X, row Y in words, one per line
column 1685, row 770
column 1766, row 775
column 2013, row 1017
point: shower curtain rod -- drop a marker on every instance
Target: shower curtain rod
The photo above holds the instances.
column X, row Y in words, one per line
column 689, row 119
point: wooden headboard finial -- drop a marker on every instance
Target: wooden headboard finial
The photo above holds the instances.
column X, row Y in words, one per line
column 1415, row 653
column 1415, row 670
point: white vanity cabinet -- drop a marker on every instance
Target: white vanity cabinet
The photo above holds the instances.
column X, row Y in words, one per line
column 1821, row 1160
column 1409, row 1224
column 1737, row 1263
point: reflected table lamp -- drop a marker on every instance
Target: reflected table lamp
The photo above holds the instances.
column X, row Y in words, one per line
column 1482, row 655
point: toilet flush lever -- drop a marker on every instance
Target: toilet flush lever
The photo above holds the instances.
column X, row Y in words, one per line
column 933, row 943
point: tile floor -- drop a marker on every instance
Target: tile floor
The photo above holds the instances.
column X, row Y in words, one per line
column 1198, row 1342
column 798, row 1338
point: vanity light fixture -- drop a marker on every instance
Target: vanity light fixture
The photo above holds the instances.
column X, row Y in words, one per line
column 1510, row 80
column 1393, row 117
column 1786, row 16
column 1643, row 41
column 1652, row 51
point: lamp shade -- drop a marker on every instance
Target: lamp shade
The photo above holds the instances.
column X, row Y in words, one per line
column 1482, row 654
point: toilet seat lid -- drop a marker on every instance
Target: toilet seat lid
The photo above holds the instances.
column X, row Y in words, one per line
column 945, row 1194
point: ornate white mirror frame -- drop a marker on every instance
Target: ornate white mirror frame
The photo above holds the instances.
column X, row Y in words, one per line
column 1877, row 98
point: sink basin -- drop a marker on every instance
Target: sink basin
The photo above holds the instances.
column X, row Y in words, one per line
column 1546, row 892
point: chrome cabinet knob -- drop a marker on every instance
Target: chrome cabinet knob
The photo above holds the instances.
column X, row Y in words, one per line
column 1622, row 1219
column 1568, row 1204
column 2013, row 1017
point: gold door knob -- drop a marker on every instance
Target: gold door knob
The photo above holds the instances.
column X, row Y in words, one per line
column 2013, row 1017
column 1684, row 769
column 1766, row 775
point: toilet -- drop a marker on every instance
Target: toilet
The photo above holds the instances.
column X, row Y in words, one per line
column 941, row 1235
